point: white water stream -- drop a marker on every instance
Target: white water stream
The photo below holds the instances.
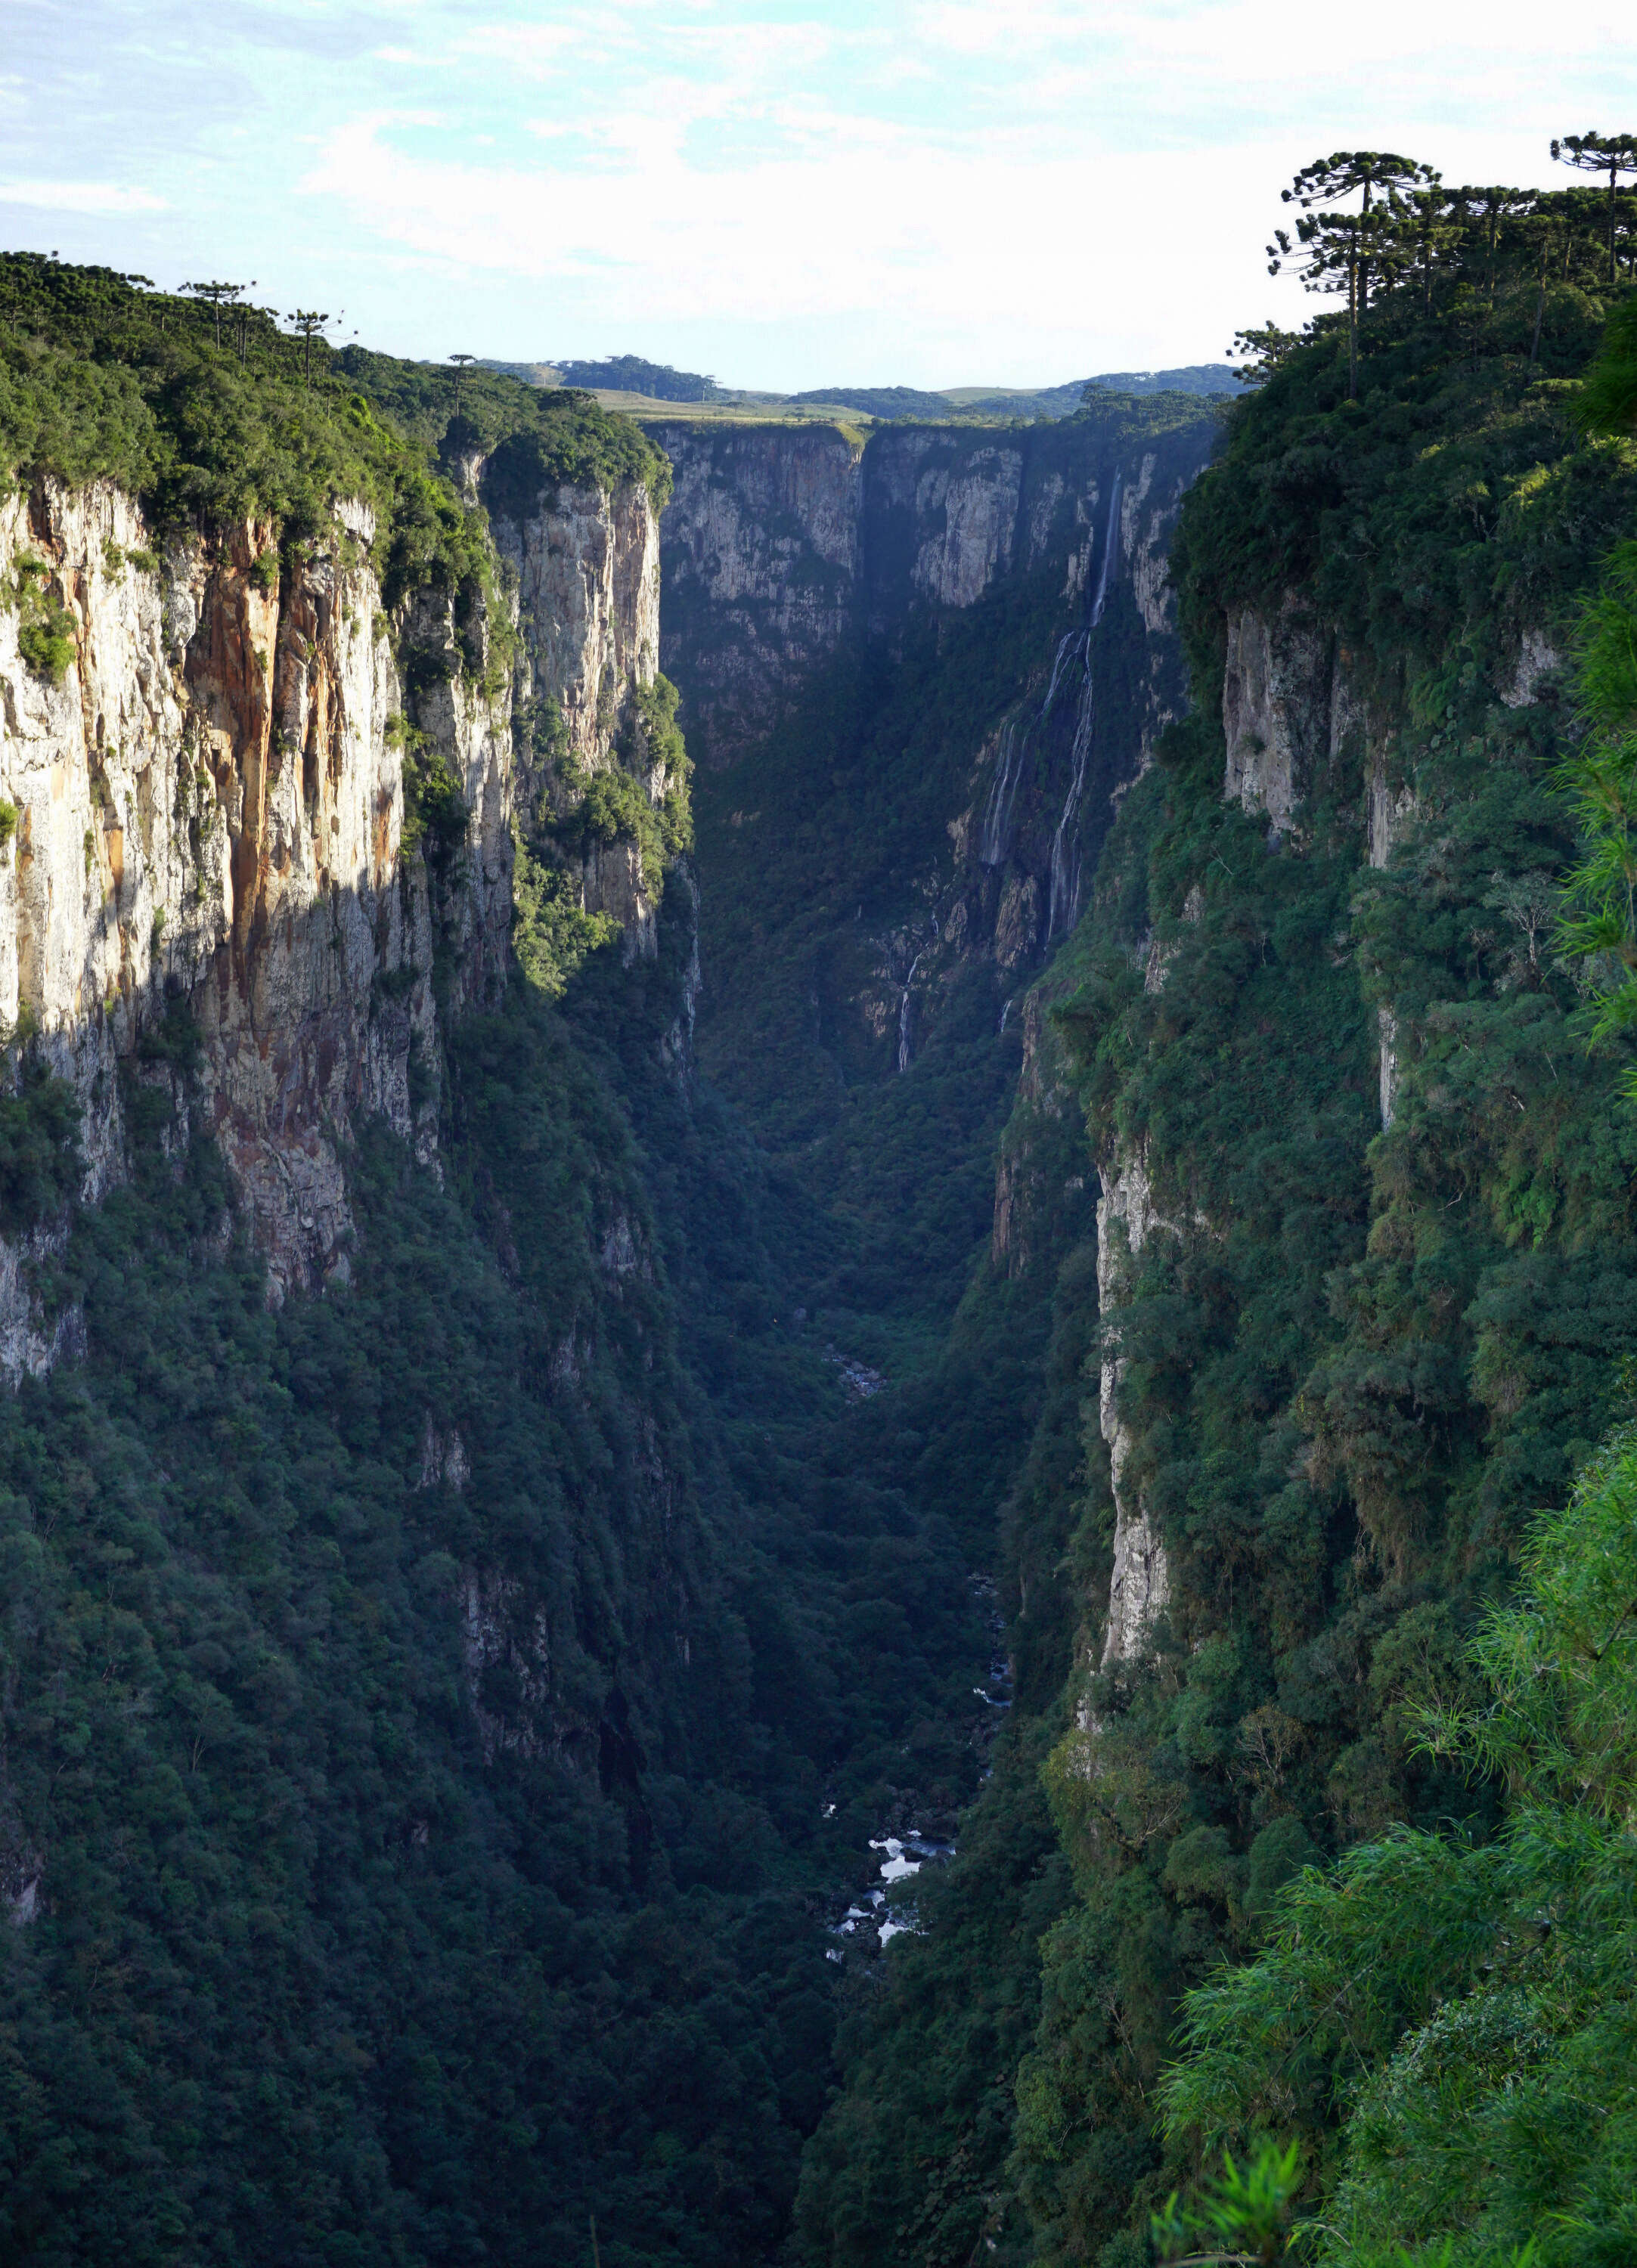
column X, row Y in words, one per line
column 904, row 1017
column 1064, row 849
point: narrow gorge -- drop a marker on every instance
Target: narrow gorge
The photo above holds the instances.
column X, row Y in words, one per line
column 793, row 1219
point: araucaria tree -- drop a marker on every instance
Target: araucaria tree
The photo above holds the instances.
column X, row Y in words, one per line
column 216, row 295
column 1612, row 154
column 308, row 323
column 1337, row 249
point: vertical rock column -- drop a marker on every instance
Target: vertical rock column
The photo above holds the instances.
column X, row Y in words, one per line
column 1139, row 1587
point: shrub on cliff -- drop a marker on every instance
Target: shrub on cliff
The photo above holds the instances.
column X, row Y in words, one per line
column 551, row 932
column 41, row 1165
column 1468, row 2006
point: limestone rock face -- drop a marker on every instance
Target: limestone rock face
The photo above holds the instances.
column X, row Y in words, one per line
column 588, row 563
column 1276, row 709
column 779, row 542
column 209, row 810
column 1140, row 1587
column 588, row 566
column 962, row 505
column 761, row 568
column 1537, row 660
column 1389, row 806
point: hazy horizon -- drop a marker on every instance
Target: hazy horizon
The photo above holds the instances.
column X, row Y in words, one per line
column 789, row 198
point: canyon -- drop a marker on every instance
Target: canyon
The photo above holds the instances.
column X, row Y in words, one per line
column 980, row 1263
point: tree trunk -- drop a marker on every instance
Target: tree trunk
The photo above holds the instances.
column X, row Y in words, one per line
column 1614, row 174
column 1352, row 328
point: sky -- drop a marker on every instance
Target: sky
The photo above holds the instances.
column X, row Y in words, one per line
column 782, row 193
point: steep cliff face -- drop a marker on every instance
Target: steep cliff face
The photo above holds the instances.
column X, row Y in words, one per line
column 1089, row 528
column 1297, row 727
column 762, row 569
column 586, row 563
column 781, row 544
column 1139, row 1585
column 586, row 559
column 210, row 809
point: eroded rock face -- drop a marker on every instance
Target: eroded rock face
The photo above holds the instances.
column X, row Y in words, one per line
column 1277, row 688
column 1537, row 660
column 780, row 542
column 762, row 566
column 587, row 567
column 1139, row 1587
column 587, row 564
column 965, row 508
column 210, row 810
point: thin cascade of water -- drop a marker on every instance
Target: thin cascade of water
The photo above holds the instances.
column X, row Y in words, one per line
column 904, row 1017
column 1065, row 849
column 997, row 811
column 1066, row 646
column 1107, row 553
column 997, row 834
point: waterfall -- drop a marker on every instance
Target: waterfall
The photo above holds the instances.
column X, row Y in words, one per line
column 1064, row 852
column 996, row 839
column 904, row 1017
column 1002, row 795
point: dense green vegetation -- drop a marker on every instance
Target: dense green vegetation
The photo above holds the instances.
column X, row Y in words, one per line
column 337, row 1953
column 1465, row 2006
column 1361, row 1357
column 100, row 378
column 884, row 401
column 1445, row 2021
column 635, row 375
column 1347, row 1397
column 437, row 1717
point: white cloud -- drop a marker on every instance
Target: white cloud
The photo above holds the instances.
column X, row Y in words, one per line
column 95, row 197
column 533, row 49
column 928, row 190
column 1021, row 257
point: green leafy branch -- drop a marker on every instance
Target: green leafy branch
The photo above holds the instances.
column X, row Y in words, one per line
column 1245, row 2213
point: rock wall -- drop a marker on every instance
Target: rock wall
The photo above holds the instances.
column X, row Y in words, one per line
column 1295, row 723
column 1282, row 706
column 1139, row 1587
column 780, row 542
column 586, row 563
column 761, row 548
column 783, row 549
column 1049, row 775
column 587, row 566
column 209, row 810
